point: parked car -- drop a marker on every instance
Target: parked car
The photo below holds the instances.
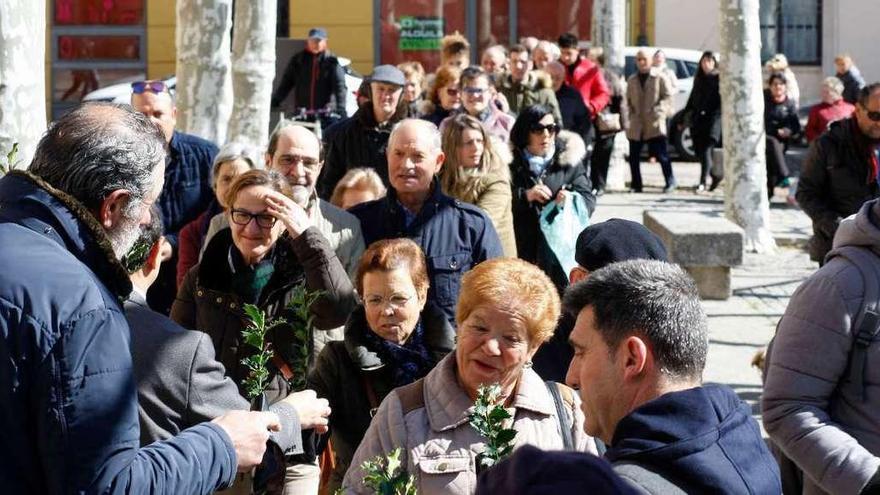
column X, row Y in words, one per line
column 685, row 63
column 120, row 91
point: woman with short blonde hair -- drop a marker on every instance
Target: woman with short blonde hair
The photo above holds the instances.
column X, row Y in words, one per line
column 357, row 186
column 832, row 108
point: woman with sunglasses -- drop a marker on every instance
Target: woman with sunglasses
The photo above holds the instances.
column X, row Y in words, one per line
column 444, row 97
column 269, row 249
column 394, row 338
column 548, row 164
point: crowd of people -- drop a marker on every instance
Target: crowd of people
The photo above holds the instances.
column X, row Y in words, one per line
column 421, row 228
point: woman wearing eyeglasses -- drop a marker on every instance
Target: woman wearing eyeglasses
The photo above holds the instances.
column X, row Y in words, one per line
column 444, row 97
column 548, row 164
column 478, row 98
column 269, row 249
column 392, row 339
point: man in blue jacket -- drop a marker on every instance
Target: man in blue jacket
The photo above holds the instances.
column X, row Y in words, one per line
column 68, row 402
column 188, row 178
column 453, row 235
column 640, row 344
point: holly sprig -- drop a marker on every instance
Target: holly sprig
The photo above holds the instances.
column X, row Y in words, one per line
column 11, row 160
column 488, row 417
column 385, row 475
column 254, row 335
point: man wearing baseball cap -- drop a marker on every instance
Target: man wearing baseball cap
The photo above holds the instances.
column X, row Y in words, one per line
column 598, row 245
column 361, row 140
column 314, row 75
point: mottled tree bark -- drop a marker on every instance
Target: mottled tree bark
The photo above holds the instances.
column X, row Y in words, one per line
column 742, row 107
column 22, row 77
column 204, row 88
column 253, row 69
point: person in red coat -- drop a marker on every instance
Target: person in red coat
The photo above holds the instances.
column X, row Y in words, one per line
column 583, row 75
column 832, row 109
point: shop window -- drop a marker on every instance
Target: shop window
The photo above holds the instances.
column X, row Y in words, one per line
column 794, row 28
column 411, row 29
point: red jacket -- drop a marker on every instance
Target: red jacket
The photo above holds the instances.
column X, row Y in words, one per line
column 588, row 80
column 823, row 114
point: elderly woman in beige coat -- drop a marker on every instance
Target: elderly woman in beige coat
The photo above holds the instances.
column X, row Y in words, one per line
column 476, row 171
column 506, row 310
column 649, row 101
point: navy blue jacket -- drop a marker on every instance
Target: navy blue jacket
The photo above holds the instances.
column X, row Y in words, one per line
column 453, row 235
column 703, row 440
column 187, row 191
column 68, row 402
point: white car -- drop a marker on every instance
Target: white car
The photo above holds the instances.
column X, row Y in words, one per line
column 685, row 63
column 121, row 91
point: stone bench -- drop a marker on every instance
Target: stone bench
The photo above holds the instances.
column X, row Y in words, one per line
column 704, row 244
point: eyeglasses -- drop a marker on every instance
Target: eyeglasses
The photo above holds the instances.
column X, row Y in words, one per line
column 139, row 87
column 452, row 91
column 396, row 301
column 551, row 128
column 288, row 161
column 474, row 91
column 242, row 217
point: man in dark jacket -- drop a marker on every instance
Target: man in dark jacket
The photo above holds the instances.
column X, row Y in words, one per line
column 188, row 177
column 361, row 140
column 640, row 344
column 840, row 171
column 455, row 236
column 575, row 115
column 314, row 75
column 850, row 76
column 523, row 87
column 69, row 403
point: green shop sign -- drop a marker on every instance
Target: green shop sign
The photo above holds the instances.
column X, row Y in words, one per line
column 420, row 33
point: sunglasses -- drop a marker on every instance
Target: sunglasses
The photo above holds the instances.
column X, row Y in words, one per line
column 551, row 128
column 452, row 91
column 242, row 217
column 874, row 116
column 474, row 91
column 140, row 87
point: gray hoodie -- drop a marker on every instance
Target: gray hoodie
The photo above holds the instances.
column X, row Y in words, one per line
column 810, row 408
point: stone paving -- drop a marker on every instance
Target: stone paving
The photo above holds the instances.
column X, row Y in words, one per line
column 742, row 325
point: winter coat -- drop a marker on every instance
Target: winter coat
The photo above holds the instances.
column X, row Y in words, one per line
column 703, row 109
column 314, row 78
column 192, row 238
column 823, row 114
column 699, row 440
column 567, row 171
column 344, row 368
column 811, row 408
column 575, row 115
column 188, row 176
column 207, row 302
column 535, row 89
column 428, row 420
column 836, row 179
column 853, row 82
column 586, row 77
column 497, row 123
column 779, row 115
column 454, row 236
column 493, row 195
column 69, row 404
column 649, row 106
column 358, row 141
column 179, row 382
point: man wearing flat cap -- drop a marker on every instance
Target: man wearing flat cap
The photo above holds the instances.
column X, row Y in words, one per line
column 598, row 245
column 361, row 140
column 314, row 75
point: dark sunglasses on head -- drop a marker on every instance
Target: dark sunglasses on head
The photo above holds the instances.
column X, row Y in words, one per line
column 140, row 87
column 551, row 128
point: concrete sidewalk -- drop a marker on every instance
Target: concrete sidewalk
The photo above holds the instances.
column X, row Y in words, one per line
column 762, row 286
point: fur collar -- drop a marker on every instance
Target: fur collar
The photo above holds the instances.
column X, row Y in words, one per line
column 570, row 149
column 111, row 272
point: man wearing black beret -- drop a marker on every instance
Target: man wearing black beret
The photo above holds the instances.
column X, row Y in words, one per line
column 597, row 246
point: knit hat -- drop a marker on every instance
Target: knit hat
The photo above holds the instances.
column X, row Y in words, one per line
column 616, row 240
column 531, row 471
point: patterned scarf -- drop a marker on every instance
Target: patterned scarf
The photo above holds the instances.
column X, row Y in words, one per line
column 248, row 282
column 408, row 362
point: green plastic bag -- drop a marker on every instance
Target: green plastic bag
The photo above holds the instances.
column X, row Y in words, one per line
column 561, row 225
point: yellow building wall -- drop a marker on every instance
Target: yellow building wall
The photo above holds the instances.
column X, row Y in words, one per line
column 161, row 47
column 349, row 25
column 635, row 15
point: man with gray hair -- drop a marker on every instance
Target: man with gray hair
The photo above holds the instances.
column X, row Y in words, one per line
column 640, row 344
column 453, row 235
column 69, row 403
